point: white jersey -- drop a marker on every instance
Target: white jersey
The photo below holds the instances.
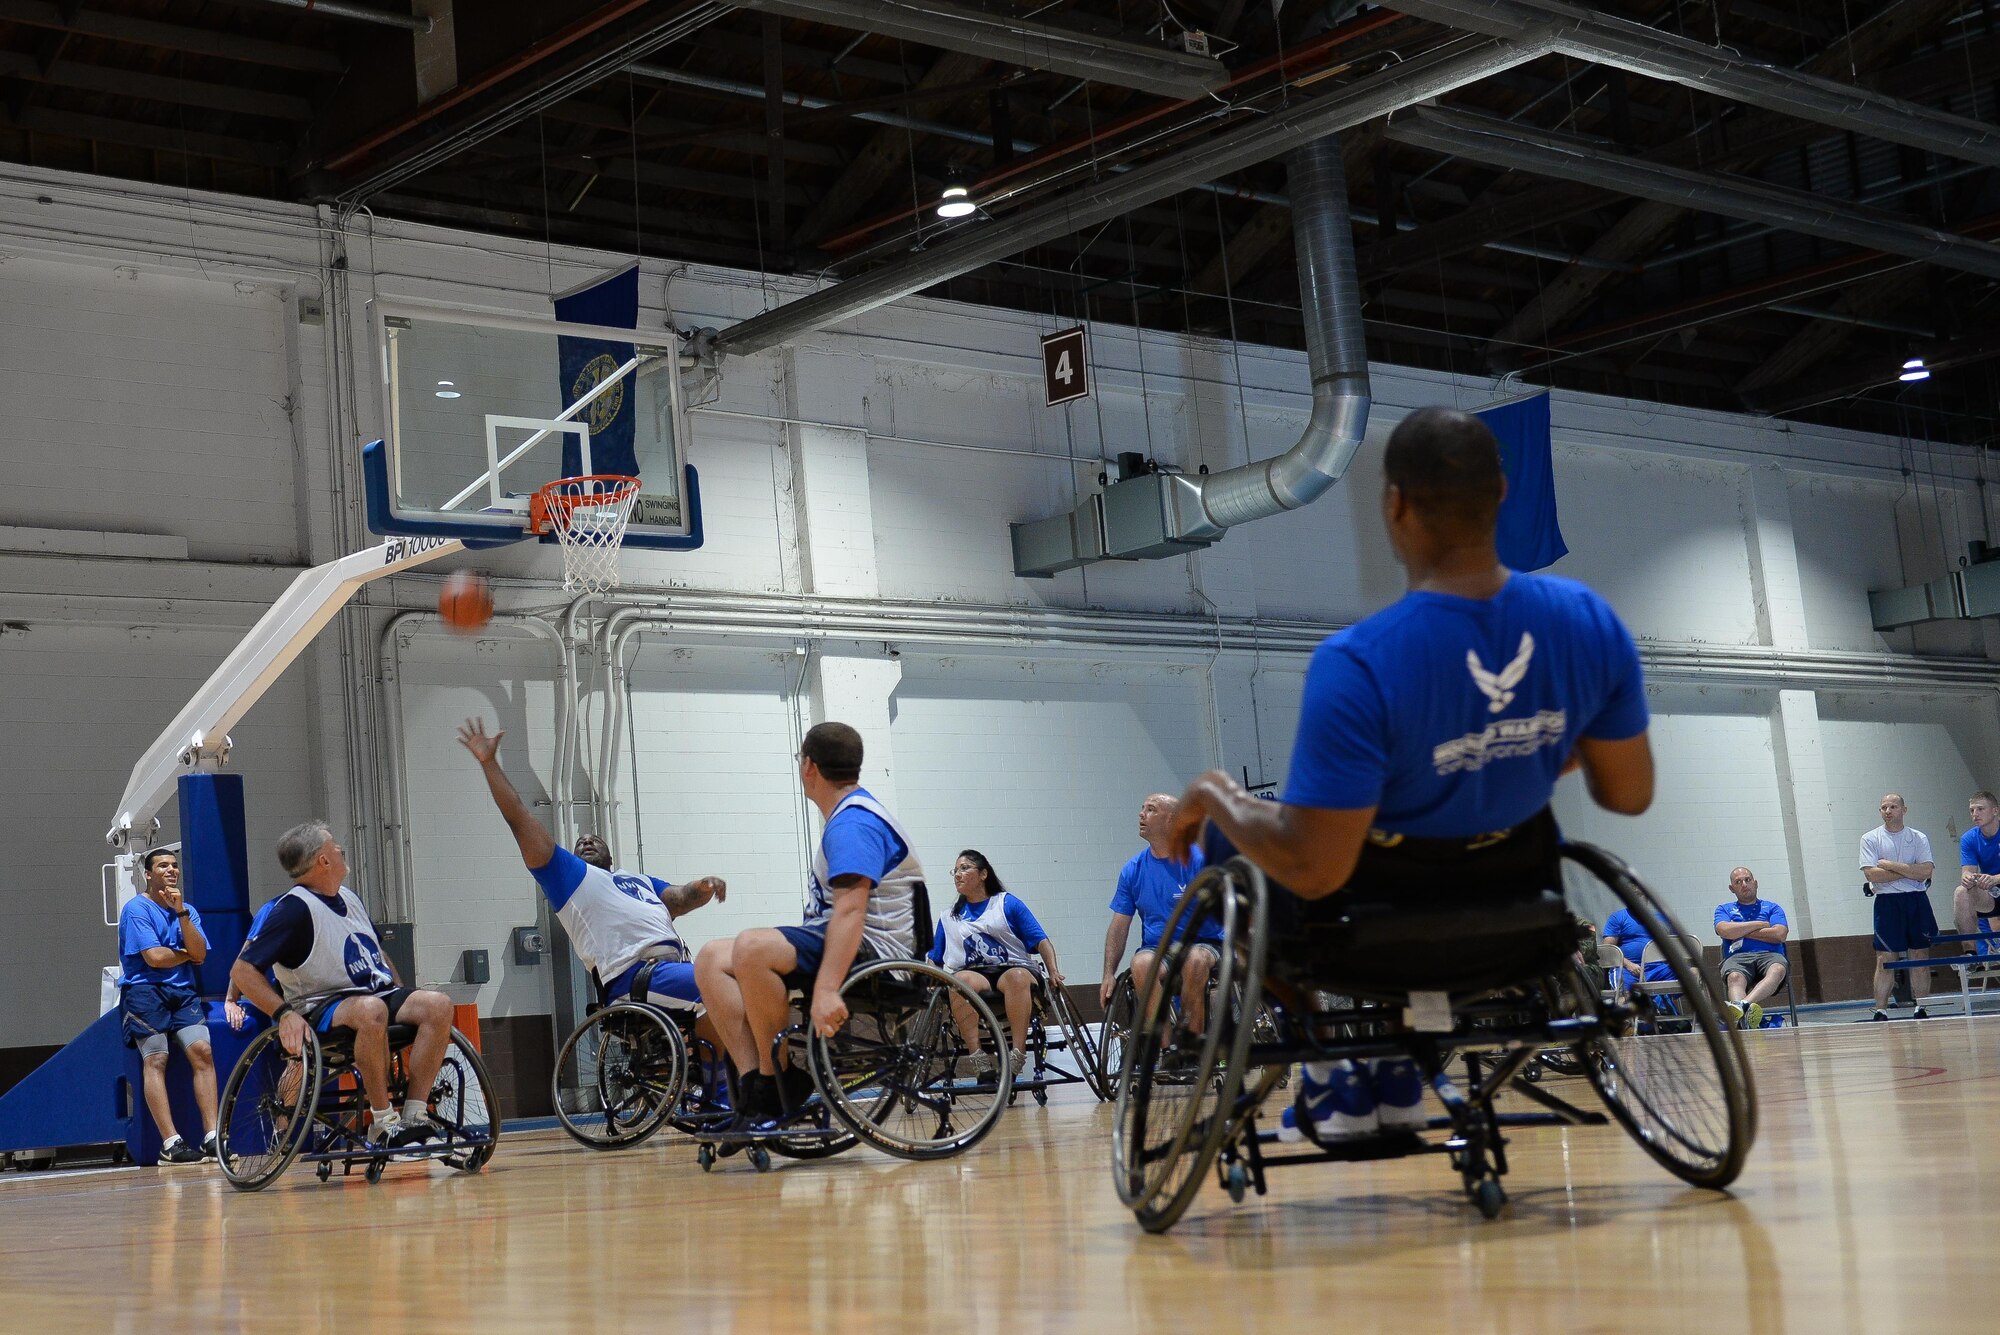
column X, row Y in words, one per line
column 345, row 951
column 986, row 942
column 891, row 916
column 615, row 919
column 1905, row 845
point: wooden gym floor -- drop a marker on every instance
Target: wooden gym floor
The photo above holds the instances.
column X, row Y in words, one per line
column 1867, row 1206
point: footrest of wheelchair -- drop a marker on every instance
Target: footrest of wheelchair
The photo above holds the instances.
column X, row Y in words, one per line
column 429, row 1149
column 1381, row 1145
column 801, row 1126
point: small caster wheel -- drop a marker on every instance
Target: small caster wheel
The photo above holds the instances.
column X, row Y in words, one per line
column 705, row 1156
column 325, row 1171
column 1489, row 1198
column 1534, row 1073
column 375, row 1167
column 1041, row 1098
column 1237, row 1182
column 760, row 1158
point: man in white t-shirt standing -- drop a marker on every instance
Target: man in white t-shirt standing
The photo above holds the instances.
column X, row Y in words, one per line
column 1896, row 860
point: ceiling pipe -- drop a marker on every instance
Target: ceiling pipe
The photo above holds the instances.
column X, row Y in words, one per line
column 334, row 9
column 1422, row 76
column 1520, row 148
column 1641, row 49
column 1146, row 515
column 1146, row 66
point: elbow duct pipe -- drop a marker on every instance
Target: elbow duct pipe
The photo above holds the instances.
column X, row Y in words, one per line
column 1336, row 352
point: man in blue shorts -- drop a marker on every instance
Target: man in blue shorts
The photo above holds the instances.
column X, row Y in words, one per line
column 1896, row 862
column 1979, row 862
column 861, row 905
column 1753, row 932
column 160, row 942
column 621, row 923
column 1149, row 886
column 319, row 943
column 1430, row 739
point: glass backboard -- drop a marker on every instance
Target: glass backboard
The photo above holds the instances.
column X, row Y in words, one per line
column 482, row 409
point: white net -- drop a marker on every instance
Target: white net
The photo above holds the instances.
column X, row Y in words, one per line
column 589, row 515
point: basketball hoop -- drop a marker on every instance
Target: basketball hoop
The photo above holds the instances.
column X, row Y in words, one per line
column 588, row 515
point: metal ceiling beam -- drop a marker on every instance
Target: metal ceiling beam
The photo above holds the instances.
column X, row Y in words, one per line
column 170, row 36
column 155, row 87
column 1608, row 40
column 1146, row 66
column 338, row 9
column 1507, row 144
column 158, row 138
column 1858, row 376
column 1428, row 74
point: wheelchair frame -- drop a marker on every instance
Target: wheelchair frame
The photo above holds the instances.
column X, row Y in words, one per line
column 1052, row 1003
column 1162, row 1153
column 323, row 1119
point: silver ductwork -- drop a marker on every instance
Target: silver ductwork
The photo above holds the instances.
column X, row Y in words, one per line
column 1165, row 514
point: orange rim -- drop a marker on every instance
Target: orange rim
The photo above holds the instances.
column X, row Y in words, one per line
column 553, row 500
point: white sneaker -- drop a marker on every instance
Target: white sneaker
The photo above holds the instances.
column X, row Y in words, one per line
column 1337, row 1099
column 1399, row 1095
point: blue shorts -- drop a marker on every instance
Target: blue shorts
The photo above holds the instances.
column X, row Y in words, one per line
column 320, row 1014
column 154, row 1008
column 1904, row 921
column 671, row 981
column 809, row 944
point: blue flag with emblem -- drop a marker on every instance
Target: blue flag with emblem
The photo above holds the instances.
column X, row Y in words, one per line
column 612, row 302
column 1530, row 535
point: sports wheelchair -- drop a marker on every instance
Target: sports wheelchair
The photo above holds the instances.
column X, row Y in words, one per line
column 1484, row 982
column 309, row 1106
column 1054, row 1027
column 633, row 1066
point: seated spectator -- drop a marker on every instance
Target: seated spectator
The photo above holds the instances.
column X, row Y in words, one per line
column 1622, row 930
column 159, row 942
column 991, row 940
column 1753, row 933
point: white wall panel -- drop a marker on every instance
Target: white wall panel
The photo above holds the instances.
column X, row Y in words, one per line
column 1042, row 767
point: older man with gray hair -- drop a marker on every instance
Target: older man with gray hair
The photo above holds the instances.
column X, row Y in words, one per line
column 329, row 962
column 1149, row 885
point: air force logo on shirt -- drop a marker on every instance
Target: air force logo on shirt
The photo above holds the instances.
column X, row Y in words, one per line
column 1507, row 737
column 1498, row 687
column 364, row 962
column 638, row 887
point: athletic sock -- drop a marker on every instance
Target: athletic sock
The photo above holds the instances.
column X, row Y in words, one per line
column 415, row 1108
column 384, row 1122
column 170, row 1142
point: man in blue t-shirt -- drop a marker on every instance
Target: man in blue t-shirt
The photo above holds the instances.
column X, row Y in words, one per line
column 861, row 905
column 1622, row 930
column 1149, row 886
column 1444, row 719
column 1979, row 863
column 1753, row 933
column 159, row 943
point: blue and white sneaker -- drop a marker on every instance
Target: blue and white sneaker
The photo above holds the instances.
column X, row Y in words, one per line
column 1335, row 1101
column 1399, row 1095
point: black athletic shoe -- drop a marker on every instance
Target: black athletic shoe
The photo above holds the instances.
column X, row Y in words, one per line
column 208, row 1147
column 414, row 1130
column 761, row 1100
column 1920, row 1014
column 796, row 1088
column 180, row 1152
column 1878, row 1015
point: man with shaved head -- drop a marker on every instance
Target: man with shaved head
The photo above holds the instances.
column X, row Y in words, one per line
column 1896, row 860
column 1149, row 886
column 1753, row 932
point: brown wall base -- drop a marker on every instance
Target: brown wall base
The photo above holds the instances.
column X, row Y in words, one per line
column 520, row 1053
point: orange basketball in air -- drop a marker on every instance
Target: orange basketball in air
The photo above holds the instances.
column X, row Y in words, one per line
column 466, row 604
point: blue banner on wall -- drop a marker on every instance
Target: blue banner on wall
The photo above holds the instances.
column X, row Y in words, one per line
column 612, row 301
column 1530, row 535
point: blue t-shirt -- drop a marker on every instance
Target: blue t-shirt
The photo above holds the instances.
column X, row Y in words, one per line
column 142, row 925
column 1761, row 911
column 1631, row 937
column 1454, row 716
column 1018, row 918
column 1976, row 850
column 856, row 842
column 1148, row 889
column 564, row 872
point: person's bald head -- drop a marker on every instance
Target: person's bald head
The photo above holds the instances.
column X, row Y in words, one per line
column 1156, row 816
column 1743, row 883
column 1893, row 810
column 1444, row 466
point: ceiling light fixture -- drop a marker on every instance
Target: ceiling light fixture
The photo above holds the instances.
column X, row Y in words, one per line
column 1914, row 369
column 445, row 390
column 955, row 202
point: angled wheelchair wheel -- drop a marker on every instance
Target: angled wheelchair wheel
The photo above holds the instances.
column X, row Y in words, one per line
column 1081, row 1053
column 464, row 1102
column 266, row 1111
column 620, row 1076
column 1683, row 1091
column 1114, row 1035
column 895, row 1074
column 1178, row 1098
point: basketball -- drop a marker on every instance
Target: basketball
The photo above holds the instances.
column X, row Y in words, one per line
column 466, row 603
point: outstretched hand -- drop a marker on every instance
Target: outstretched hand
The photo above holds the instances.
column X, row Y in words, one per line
column 1191, row 816
column 473, row 737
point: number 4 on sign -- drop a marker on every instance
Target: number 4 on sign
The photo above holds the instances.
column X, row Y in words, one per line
column 1065, row 366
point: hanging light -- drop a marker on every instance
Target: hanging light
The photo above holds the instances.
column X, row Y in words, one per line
column 955, row 202
column 446, row 390
column 1914, row 369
